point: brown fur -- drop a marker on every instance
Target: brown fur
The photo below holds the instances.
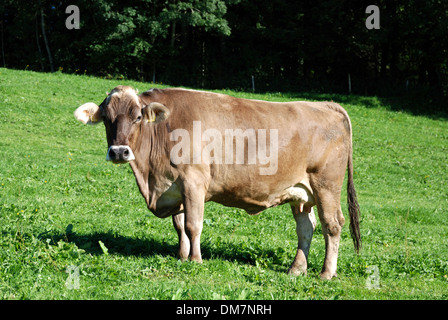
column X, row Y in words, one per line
column 314, row 150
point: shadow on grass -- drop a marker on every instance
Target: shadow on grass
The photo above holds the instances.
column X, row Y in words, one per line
column 115, row 243
column 275, row 257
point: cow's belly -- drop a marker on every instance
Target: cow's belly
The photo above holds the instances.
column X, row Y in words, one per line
column 299, row 194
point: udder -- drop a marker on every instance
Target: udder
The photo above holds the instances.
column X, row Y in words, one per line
column 300, row 196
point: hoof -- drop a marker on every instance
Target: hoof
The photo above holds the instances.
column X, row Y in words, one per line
column 327, row 275
column 297, row 271
column 196, row 259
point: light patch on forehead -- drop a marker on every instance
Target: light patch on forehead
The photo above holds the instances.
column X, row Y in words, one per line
column 119, row 92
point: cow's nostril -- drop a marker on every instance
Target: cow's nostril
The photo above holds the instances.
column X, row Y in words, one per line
column 126, row 153
column 112, row 153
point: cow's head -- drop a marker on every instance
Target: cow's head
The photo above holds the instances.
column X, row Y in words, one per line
column 123, row 113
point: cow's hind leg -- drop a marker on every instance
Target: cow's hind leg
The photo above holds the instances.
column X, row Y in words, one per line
column 332, row 220
column 184, row 242
column 305, row 225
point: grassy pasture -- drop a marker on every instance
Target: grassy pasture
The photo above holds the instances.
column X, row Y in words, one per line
column 75, row 227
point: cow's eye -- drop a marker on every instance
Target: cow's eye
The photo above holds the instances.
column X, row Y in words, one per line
column 139, row 118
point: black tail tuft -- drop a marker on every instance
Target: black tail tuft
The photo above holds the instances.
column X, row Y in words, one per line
column 353, row 208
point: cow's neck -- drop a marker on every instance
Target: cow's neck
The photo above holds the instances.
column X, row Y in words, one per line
column 151, row 162
column 141, row 174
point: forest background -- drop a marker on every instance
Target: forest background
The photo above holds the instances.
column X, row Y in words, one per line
column 266, row 45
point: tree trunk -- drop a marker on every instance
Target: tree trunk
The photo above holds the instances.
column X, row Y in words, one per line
column 3, row 50
column 173, row 34
column 38, row 45
column 50, row 59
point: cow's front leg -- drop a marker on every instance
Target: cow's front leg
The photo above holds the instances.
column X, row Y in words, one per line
column 193, row 199
column 184, row 242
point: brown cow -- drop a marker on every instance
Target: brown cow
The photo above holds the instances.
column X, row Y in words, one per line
column 187, row 147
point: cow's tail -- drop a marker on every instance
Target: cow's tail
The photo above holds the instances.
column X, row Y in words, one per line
column 352, row 200
column 353, row 206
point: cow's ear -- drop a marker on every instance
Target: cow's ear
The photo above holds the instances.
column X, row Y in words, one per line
column 88, row 113
column 155, row 112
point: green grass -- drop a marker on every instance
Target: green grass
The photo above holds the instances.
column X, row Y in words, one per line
column 60, row 199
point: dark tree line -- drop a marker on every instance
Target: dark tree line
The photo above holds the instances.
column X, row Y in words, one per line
column 284, row 45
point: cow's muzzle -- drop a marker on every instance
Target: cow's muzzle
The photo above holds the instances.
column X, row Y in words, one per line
column 120, row 154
